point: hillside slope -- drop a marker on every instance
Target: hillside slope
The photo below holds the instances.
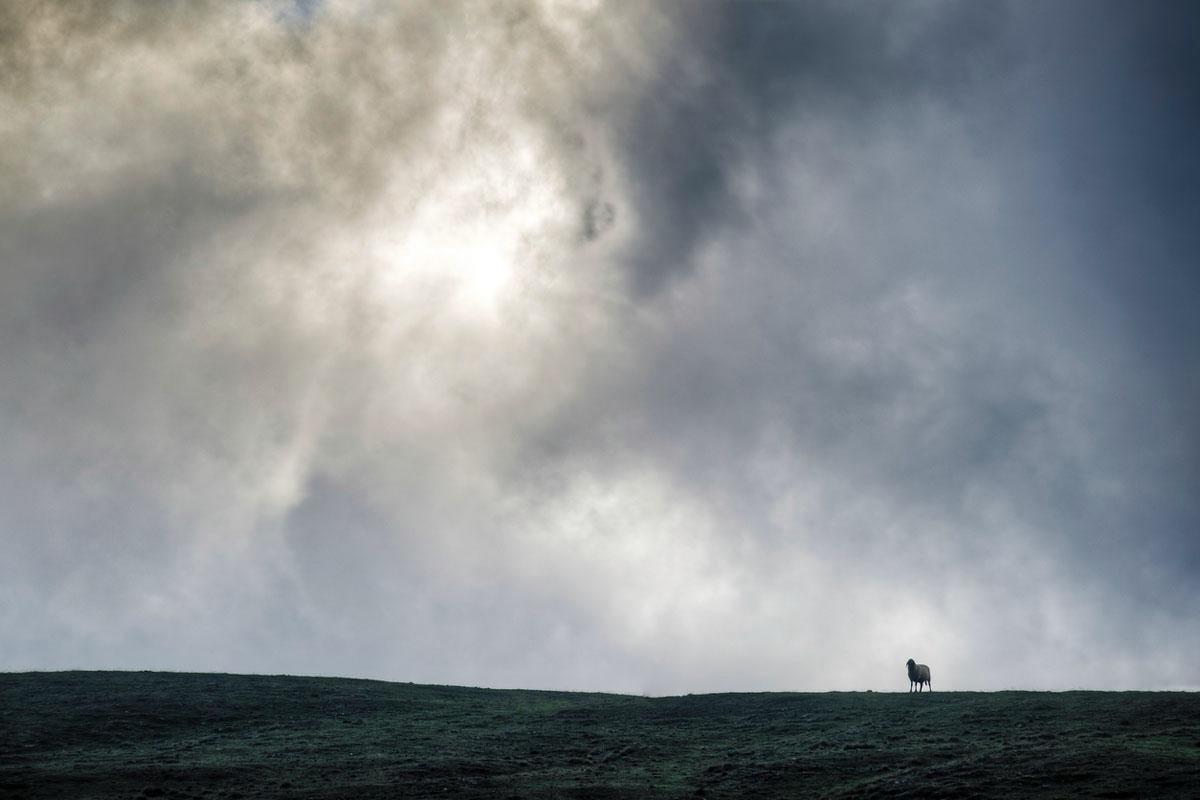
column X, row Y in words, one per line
column 121, row 734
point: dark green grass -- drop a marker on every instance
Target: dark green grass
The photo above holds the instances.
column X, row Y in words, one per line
column 121, row 734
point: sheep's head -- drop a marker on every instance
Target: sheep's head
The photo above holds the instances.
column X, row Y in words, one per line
column 910, row 663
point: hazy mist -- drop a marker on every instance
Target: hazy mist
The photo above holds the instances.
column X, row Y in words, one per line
column 642, row 347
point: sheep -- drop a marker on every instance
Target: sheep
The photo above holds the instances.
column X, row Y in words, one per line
column 918, row 674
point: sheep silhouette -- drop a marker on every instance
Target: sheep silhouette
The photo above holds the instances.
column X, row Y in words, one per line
column 918, row 674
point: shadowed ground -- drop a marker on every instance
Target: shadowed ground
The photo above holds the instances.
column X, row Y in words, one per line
column 120, row 734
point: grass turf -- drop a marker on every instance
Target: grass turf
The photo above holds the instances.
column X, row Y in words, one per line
column 175, row 735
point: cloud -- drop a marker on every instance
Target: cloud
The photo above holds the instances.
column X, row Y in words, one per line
column 244, row 253
column 652, row 349
column 717, row 104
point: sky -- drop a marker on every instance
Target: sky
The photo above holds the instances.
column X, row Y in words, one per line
column 640, row 347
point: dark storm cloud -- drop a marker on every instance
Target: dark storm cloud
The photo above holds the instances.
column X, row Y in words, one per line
column 749, row 67
column 661, row 348
column 1030, row 418
column 1119, row 117
column 1114, row 127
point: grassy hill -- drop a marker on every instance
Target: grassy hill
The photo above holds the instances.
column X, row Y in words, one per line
column 128, row 735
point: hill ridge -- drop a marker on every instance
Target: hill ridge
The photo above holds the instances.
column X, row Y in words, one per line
column 221, row 735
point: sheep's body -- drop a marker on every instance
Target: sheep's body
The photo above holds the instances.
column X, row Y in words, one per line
column 918, row 675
